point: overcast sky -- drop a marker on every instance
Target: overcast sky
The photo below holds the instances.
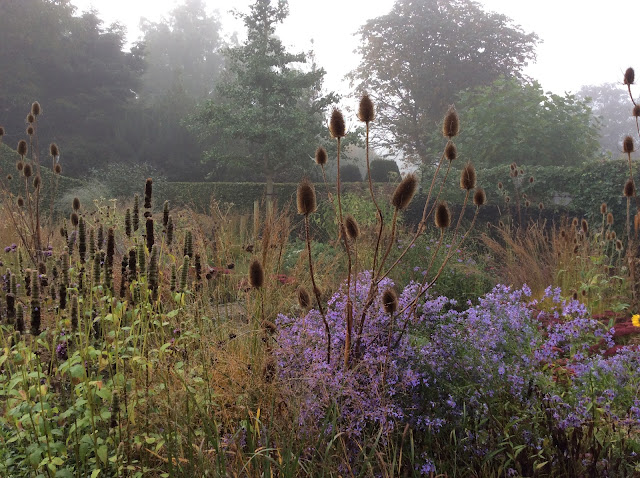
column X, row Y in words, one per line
column 581, row 44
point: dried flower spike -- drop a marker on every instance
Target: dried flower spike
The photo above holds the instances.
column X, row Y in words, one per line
column 627, row 145
column 366, row 110
column 405, row 191
column 256, row 274
column 479, row 197
column 321, row 156
column 442, row 217
column 468, row 177
column 337, row 127
column 306, row 197
column 451, row 124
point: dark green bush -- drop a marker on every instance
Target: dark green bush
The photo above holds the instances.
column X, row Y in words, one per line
column 350, row 173
column 380, row 169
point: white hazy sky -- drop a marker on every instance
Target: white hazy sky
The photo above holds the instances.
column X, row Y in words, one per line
column 581, row 44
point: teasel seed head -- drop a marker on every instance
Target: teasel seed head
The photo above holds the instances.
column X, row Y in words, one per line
column 53, row 150
column 9, row 177
column 337, row 127
column 75, row 204
column 636, row 110
column 629, row 188
column 607, row 236
column 37, row 181
column 184, row 273
column 148, row 186
column 527, row 203
column 450, row 151
column 27, row 171
column 442, row 216
column 405, row 191
column 136, row 212
column 35, row 108
column 613, row 235
column 629, row 76
column 20, row 165
column 451, row 123
column 366, row 110
column 609, row 219
column 321, row 156
column 22, row 148
column 57, row 169
column 149, row 235
column 165, row 213
column 618, row 245
column 468, row 177
column 351, row 227
column 170, row 231
column 74, row 219
column 30, row 130
column 304, row 299
column 531, row 179
column 500, row 186
column 585, row 226
column 2, row 132
column 256, row 274
column 479, row 197
column 507, row 199
column 603, row 208
column 627, row 145
column 390, row 301
column 306, row 197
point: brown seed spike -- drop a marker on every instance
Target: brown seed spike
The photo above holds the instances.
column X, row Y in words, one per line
column 609, row 219
column 404, row 191
column 27, row 170
column 468, row 177
column 629, row 189
column 37, row 181
column 603, row 208
column 541, row 206
column 451, row 124
column 22, row 148
column 321, row 156
column 351, row 227
column 585, row 226
column 53, row 150
column 57, row 168
column 629, row 76
column 256, row 274
column 337, row 127
column 306, row 197
column 627, row 145
column 442, row 217
column 366, row 110
column 36, row 109
column 390, row 301
column 304, row 299
column 75, row 204
column 450, row 151
column 479, row 197
column 636, row 110
column 30, row 130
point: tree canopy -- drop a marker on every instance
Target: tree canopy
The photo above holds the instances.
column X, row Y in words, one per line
column 420, row 55
column 268, row 116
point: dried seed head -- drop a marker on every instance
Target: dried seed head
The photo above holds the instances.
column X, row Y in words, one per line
column 22, row 148
column 479, row 197
column 36, row 109
column 390, row 301
column 1, row 132
column 30, row 130
column 468, row 177
column 607, row 236
column 507, row 199
column 27, row 170
column 451, row 124
column 366, row 110
column 75, row 204
column 57, row 168
column 30, row 118
column 513, row 166
column 500, row 185
column 585, row 226
column 148, row 185
column 37, row 181
column 442, row 217
column 337, row 126
column 629, row 76
column 527, row 203
column 9, row 177
column 351, row 227
column 256, row 274
column 20, row 201
column 609, row 219
column 321, row 156
column 306, row 197
column 627, row 145
column 74, row 219
column 618, row 245
column 450, row 151
column 531, row 180
column 603, row 208
column 574, row 222
column 304, row 299
column 53, row 150
column 404, row 191
column 541, row 206
column 629, row 188
column 613, row 235
column 636, row 110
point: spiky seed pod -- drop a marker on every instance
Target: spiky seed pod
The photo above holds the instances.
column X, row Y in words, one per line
column 22, row 148
column 148, row 186
column 479, row 197
column 468, row 177
column 20, row 201
column 585, row 226
column 603, row 208
column 27, row 171
column 304, row 299
column 609, row 219
column 613, row 235
column 174, row 278
column 405, row 191
column 188, row 244
column 618, row 245
column 629, row 188
column 2, row 132
column 256, row 274
column 198, row 267
column 75, row 204
column 30, row 118
column 20, row 166
column 82, row 240
column 629, row 76
column 96, row 270
column 165, row 214
column 142, row 258
column 442, row 217
column 627, row 145
column 20, row 319
column 92, row 243
column 351, row 227
column 337, row 127
column 74, row 219
column 184, row 273
column 366, row 110
column 450, row 151
column 507, row 199
column 54, row 150
column 451, row 123
column 636, row 110
column 306, row 197
column 132, row 264
column 57, row 169
column 37, row 181
column 62, row 296
column 500, row 185
column 9, row 177
column 321, row 156
column 170, row 231
column 36, row 109
column 30, row 130
column 127, row 222
column 150, row 236
column 390, row 301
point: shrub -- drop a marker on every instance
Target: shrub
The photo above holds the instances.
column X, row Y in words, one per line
column 382, row 168
column 350, row 173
